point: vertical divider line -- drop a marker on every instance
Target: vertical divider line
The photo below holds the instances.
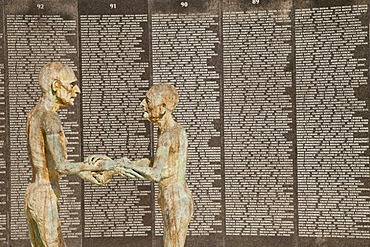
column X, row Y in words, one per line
column 222, row 136
column 81, row 120
column 368, row 71
column 294, row 118
column 151, row 130
column 6, row 147
column 368, row 58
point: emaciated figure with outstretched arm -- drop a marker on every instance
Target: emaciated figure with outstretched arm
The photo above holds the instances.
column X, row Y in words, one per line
column 168, row 168
column 47, row 152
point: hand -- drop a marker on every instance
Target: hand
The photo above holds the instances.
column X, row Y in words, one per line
column 123, row 161
column 104, row 177
column 106, row 165
column 127, row 172
column 89, row 177
column 127, row 166
column 101, row 162
column 93, row 159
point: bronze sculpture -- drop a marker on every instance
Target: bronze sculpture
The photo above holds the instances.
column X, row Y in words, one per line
column 168, row 167
column 47, row 153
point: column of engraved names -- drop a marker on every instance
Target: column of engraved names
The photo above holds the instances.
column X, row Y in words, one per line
column 114, row 80
column 332, row 131
column 183, row 50
column 34, row 40
column 257, row 121
column 3, row 132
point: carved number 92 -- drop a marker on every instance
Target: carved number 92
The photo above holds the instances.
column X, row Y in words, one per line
column 184, row 4
column 113, row 5
column 40, row 6
column 255, row 1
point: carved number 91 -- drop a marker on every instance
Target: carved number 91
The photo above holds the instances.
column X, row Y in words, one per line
column 113, row 6
column 40, row 6
column 255, row 1
column 184, row 4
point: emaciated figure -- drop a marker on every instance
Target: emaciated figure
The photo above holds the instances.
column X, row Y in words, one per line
column 47, row 153
column 169, row 164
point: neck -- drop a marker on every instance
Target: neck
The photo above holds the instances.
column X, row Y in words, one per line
column 166, row 122
column 49, row 103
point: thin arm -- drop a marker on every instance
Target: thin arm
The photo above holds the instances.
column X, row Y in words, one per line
column 155, row 173
column 55, row 148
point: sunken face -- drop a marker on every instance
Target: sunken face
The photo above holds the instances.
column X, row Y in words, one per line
column 154, row 108
column 66, row 89
column 161, row 99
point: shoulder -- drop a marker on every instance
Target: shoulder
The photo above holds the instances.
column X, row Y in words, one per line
column 180, row 131
column 51, row 122
column 178, row 134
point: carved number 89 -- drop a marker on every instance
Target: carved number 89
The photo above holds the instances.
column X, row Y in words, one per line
column 255, row 1
column 184, row 4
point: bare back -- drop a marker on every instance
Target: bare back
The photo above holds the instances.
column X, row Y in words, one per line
column 39, row 122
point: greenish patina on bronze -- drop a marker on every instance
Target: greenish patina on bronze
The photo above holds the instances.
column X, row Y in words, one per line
column 47, row 153
column 168, row 168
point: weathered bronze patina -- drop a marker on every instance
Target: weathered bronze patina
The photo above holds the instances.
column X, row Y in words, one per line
column 168, row 167
column 47, row 153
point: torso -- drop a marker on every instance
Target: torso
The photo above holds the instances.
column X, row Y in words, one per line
column 43, row 167
column 173, row 189
column 175, row 167
column 173, row 173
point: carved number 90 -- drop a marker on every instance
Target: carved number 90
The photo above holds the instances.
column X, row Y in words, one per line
column 184, row 4
column 255, row 1
column 40, row 6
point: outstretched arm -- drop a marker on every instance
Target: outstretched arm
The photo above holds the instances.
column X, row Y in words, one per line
column 111, row 167
column 55, row 148
column 160, row 159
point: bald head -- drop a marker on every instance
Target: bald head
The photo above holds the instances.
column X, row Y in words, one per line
column 167, row 94
column 54, row 71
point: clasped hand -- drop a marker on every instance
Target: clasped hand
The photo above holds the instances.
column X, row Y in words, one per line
column 105, row 168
